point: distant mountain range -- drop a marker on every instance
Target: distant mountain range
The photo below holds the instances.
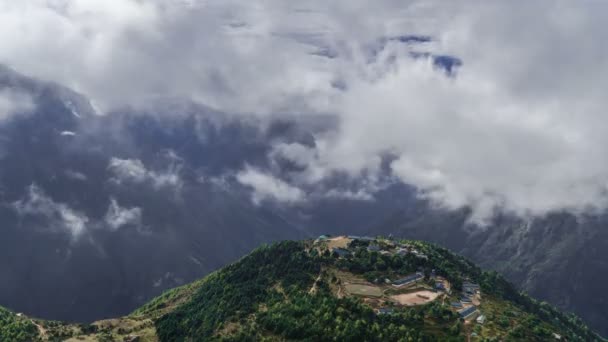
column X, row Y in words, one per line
column 334, row 288
column 100, row 213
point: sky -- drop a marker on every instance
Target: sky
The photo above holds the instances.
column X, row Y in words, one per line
column 518, row 127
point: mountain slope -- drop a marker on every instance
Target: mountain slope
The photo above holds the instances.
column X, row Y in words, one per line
column 558, row 258
column 190, row 215
column 15, row 327
column 101, row 213
column 342, row 288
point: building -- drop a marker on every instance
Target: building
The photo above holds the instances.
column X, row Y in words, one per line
column 466, row 299
column 403, row 251
column 468, row 312
column 481, row 319
column 439, row 286
column 419, row 254
column 410, row 279
column 385, row 311
column 341, row 252
column 361, row 238
column 321, row 238
column 457, row 305
column 469, row 287
column 373, row 248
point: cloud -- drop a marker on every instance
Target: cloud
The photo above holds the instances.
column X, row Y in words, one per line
column 13, row 102
column 118, row 216
column 267, row 187
column 519, row 126
column 359, row 195
column 58, row 215
column 133, row 170
column 76, row 175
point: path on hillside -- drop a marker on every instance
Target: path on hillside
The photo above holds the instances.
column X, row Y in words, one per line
column 41, row 330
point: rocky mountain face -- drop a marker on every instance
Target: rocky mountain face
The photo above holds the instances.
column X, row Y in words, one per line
column 96, row 220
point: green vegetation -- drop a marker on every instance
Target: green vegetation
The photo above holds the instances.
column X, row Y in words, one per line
column 303, row 291
column 14, row 328
column 268, row 296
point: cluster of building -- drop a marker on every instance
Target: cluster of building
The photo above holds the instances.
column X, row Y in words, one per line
column 466, row 309
column 387, row 248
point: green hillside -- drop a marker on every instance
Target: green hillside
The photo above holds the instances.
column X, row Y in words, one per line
column 14, row 327
column 335, row 289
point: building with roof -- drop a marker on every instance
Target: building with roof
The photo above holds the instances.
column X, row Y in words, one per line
column 439, row 286
column 341, row 252
column 469, row 287
column 457, row 305
column 468, row 312
column 410, row 279
column 321, row 238
column 373, row 248
column 361, row 238
column 419, row 254
column 402, row 251
column 385, row 311
column 481, row 319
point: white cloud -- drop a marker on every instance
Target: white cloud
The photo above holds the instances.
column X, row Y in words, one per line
column 267, row 187
column 118, row 216
column 133, row 170
column 521, row 126
column 128, row 169
column 12, row 102
column 359, row 195
column 59, row 215
column 75, row 175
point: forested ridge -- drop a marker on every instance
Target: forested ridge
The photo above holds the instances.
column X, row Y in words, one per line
column 266, row 296
column 307, row 291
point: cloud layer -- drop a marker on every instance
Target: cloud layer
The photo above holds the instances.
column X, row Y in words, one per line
column 13, row 103
column 133, row 170
column 58, row 216
column 519, row 126
column 118, row 216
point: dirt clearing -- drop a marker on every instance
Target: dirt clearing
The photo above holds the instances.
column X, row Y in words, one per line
column 338, row 242
column 415, row 298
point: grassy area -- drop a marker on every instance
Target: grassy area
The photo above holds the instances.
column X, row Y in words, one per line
column 364, row 290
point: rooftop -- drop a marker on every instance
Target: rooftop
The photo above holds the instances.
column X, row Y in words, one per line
column 341, row 252
column 410, row 278
column 385, row 311
column 464, row 313
column 364, row 238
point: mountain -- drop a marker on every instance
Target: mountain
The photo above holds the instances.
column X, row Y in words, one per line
column 100, row 213
column 342, row 288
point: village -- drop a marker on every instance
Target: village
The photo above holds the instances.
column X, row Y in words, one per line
column 408, row 290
